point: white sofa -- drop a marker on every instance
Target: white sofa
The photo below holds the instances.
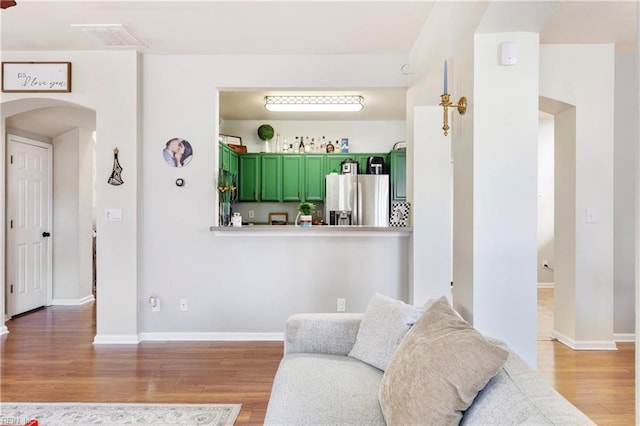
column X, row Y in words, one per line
column 318, row 383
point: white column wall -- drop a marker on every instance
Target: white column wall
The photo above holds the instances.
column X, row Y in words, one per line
column 505, row 191
column 637, row 214
column 625, row 148
column 564, row 222
column 583, row 76
column 431, row 206
column 85, row 217
column 66, row 216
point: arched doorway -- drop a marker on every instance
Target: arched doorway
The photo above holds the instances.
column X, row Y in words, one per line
column 69, row 130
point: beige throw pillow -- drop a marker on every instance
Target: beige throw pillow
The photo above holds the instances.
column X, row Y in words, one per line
column 437, row 370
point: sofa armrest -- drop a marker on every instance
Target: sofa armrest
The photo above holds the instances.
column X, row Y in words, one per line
column 330, row 333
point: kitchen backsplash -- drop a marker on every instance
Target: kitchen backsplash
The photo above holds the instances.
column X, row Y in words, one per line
column 261, row 211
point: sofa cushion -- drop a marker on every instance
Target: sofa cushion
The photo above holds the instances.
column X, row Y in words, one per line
column 438, row 369
column 319, row 389
column 385, row 323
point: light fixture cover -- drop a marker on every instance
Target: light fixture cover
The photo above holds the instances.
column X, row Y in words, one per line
column 110, row 35
column 314, row 103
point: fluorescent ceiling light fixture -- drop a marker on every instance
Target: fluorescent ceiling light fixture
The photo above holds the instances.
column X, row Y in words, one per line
column 314, row 103
column 109, row 35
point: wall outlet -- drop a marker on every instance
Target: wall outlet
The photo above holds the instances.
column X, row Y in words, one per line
column 252, row 214
column 342, row 304
column 183, row 305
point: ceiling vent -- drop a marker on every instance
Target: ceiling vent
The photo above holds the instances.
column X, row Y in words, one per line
column 109, row 35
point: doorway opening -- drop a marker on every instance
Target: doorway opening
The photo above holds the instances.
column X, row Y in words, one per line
column 68, row 132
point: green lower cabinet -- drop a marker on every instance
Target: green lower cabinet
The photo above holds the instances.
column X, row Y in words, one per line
column 292, row 177
column 249, row 177
column 271, row 177
column 314, row 173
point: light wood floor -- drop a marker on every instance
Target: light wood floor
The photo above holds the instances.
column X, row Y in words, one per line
column 49, row 356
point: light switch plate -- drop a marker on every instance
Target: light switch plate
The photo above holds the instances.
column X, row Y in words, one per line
column 113, row 215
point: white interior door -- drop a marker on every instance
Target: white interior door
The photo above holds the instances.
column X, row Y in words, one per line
column 29, row 209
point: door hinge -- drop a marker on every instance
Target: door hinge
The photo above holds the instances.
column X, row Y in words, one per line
column 11, row 288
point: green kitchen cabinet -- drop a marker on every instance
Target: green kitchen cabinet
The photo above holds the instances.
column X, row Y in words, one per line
column 249, row 177
column 333, row 162
column 362, row 160
column 227, row 159
column 271, row 177
column 293, row 177
column 398, row 172
column 314, row 173
column 233, row 162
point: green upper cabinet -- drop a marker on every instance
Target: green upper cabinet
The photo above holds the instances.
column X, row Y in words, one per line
column 249, row 177
column 398, row 175
column 314, row 173
column 233, row 162
column 292, row 177
column 333, row 162
column 301, row 177
column 227, row 159
column 271, row 177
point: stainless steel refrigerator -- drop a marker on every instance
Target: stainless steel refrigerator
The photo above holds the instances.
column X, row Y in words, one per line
column 357, row 200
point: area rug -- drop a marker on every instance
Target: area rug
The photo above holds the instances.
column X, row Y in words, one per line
column 70, row 413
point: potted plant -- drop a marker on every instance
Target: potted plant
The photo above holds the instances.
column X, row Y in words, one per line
column 304, row 213
column 265, row 133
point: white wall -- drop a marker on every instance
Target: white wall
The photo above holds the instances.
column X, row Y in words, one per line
column 583, row 76
column 106, row 82
column 431, row 238
column 624, row 166
column 242, row 284
column 72, row 217
column 545, row 199
column 364, row 136
column 505, row 151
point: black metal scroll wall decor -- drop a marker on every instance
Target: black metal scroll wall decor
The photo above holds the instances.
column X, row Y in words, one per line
column 116, row 173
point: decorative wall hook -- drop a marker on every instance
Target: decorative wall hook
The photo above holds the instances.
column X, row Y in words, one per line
column 116, row 173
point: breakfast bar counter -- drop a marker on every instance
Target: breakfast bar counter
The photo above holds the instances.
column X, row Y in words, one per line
column 313, row 231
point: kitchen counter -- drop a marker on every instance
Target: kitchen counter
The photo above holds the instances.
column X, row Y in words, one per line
column 314, row 231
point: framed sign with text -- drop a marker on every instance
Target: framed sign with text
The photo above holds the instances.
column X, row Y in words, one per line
column 52, row 77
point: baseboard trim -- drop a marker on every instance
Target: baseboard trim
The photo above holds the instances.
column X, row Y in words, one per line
column 116, row 339
column 73, row 302
column 222, row 337
column 624, row 337
column 585, row 345
column 4, row 330
column 545, row 285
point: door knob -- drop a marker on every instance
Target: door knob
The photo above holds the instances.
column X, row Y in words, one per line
column 46, row 234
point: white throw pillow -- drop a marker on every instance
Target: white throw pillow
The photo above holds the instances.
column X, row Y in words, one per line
column 385, row 323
